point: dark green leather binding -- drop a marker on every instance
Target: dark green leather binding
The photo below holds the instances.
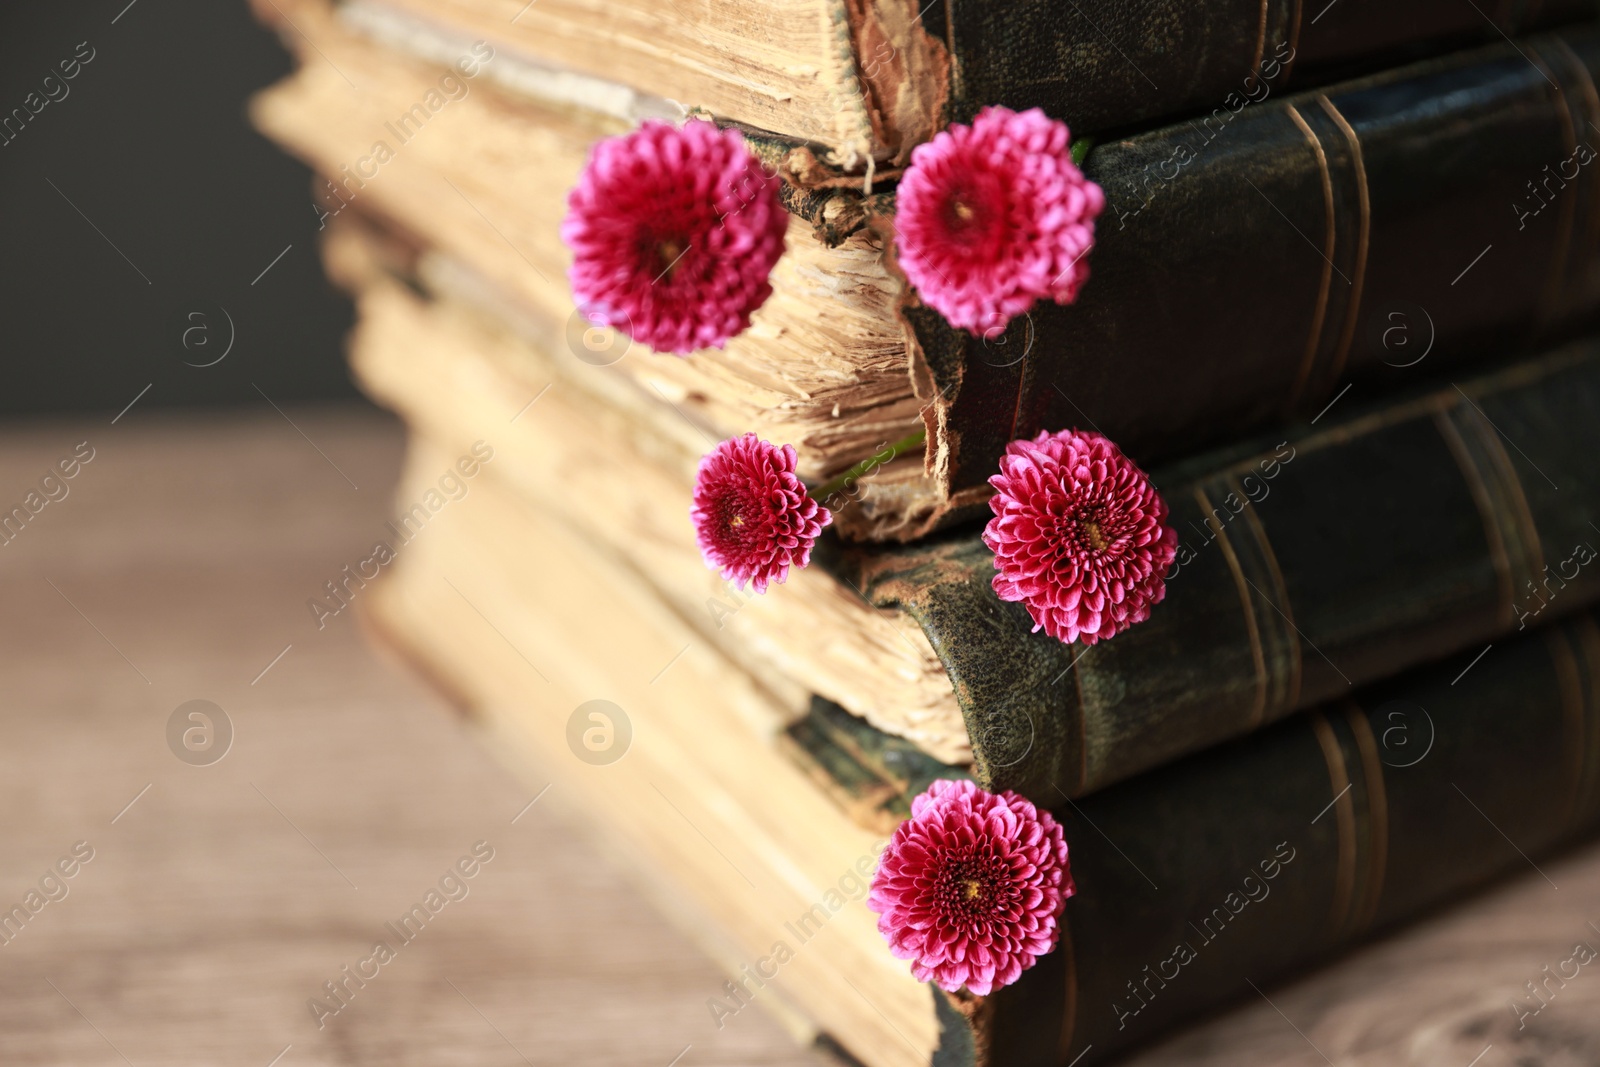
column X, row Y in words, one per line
column 1103, row 63
column 1247, row 862
column 872, row 775
column 1355, row 549
column 1514, row 757
column 1251, row 262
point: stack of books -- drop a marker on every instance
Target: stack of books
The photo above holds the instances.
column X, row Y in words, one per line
column 1338, row 304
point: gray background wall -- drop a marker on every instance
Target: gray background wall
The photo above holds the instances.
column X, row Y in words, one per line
column 148, row 150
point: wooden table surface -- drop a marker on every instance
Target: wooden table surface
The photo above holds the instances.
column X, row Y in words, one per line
column 220, row 898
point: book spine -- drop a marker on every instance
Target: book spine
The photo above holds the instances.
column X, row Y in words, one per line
column 1101, row 65
column 1251, row 262
column 871, row 774
column 1341, row 555
column 1335, row 36
column 1214, row 876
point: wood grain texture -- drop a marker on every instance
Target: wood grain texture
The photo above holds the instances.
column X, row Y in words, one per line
column 205, row 920
column 1437, row 993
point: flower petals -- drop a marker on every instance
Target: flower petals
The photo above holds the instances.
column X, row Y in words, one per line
column 971, row 887
column 674, row 232
column 752, row 516
column 1079, row 536
column 995, row 216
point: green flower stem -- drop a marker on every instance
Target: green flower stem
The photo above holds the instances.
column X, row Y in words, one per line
column 1080, row 149
column 822, row 492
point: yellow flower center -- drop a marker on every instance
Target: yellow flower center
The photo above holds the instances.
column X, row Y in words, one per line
column 669, row 253
column 1097, row 539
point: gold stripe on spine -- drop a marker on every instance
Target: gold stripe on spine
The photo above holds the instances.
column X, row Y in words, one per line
column 1026, row 378
column 1069, row 1012
column 1345, row 816
column 1294, row 40
column 1280, row 641
column 1261, row 40
column 1508, row 506
column 1371, row 893
column 1279, row 26
column 1491, row 526
column 1588, row 640
column 1549, row 301
column 1314, row 339
column 1556, row 640
column 1429, row 405
column 1591, row 192
column 1352, row 312
column 1245, row 602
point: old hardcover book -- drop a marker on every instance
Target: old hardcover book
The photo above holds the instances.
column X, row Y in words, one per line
column 859, row 83
column 1205, row 880
column 1348, row 551
column 611, row 464
column 533, row 630
column 1417, row 529
column 1250, row 264
column 1225, row 870
column 480, row 187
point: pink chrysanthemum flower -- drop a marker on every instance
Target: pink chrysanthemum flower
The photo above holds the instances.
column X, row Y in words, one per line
column 994, row 216
column 971, row 886
column 752, row 517
column 673, row 233
column 1079, row 535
